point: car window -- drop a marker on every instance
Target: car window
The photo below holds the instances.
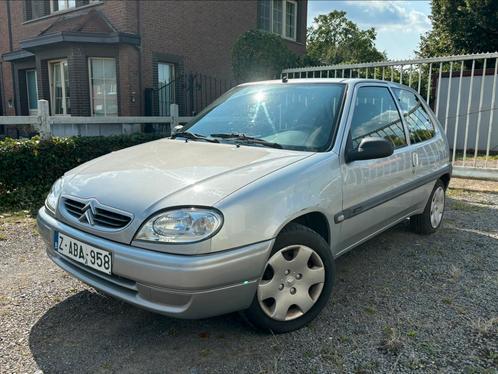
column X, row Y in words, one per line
column 416, row 117
column 298, row 116
column 375, row 115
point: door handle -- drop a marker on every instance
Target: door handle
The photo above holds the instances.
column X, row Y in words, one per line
column 415, row 159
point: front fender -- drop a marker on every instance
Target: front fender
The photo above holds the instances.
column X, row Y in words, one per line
column 260, row 210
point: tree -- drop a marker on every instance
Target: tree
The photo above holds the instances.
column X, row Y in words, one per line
column 334, row 39
column 461, row 27
column 259, row 55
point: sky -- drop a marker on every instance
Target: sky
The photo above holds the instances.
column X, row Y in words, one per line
column 399, row 24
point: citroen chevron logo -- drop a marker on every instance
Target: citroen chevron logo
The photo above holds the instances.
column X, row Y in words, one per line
column 88, row 213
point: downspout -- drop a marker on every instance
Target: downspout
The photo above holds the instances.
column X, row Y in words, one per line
column 9, row 25
column 140, row 57
column 2, row 90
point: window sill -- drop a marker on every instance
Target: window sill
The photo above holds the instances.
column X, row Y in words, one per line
column 62, row 12
column 292, row 40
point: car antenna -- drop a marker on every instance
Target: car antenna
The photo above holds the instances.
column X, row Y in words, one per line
column 285, row 79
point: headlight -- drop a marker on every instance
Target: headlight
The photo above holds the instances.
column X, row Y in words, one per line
column 53, row 195
column 184, row 225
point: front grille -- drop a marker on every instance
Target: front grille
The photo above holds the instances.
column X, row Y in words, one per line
column 94, row 214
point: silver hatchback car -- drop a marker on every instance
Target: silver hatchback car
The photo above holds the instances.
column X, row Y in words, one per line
column 246, row 208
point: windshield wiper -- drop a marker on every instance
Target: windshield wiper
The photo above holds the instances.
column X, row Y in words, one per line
column 246, row 139
column 192, row 136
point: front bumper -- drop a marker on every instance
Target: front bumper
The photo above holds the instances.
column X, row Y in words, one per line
column 174, row 285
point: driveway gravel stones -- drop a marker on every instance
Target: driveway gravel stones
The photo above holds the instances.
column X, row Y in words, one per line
column 401, row 303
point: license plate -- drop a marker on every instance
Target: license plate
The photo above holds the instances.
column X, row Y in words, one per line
column 83, row 253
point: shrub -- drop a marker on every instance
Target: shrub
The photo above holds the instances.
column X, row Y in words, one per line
column 28, row 167
column 259, row 55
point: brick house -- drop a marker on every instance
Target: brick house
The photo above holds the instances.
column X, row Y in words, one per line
column 112, row 57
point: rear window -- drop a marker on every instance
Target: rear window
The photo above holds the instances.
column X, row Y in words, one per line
column 416, row 117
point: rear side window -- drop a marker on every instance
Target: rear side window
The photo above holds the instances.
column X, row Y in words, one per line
column 375, row 115
column 416, row 117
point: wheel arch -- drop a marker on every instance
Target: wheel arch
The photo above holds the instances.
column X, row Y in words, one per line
column 316, row 221
column 445, row 178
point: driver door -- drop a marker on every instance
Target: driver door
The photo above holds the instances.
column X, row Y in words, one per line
column 370, row 187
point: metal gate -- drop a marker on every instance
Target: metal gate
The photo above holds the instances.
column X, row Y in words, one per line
column 191, row 91
column 460, row 89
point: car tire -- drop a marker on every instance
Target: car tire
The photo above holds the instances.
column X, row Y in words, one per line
column 292, row 279
column 430, row 220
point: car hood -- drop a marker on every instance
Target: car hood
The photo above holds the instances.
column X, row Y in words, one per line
column 163, row 173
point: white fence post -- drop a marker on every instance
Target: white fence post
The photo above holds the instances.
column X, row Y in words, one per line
column 43, row 114
column 174, row 112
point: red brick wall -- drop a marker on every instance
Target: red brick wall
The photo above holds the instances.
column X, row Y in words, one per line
column 121, row 15
column 201, row 33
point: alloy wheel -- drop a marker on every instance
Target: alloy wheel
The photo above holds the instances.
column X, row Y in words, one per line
column 437, row 207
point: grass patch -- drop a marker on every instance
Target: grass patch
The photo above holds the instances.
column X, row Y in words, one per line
column 370, row 310
column 447, row 301
column 411, row 334
column 486, row 327
column 464, row 207
column 455, row 273
column 481, row 156
column 15, row 217
column 332, row 356
column 392, row 342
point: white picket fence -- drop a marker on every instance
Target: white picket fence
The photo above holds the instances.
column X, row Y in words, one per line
column 66, row 126
column 462, row 90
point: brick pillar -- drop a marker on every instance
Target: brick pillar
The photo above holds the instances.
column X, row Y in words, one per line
column 78, row 82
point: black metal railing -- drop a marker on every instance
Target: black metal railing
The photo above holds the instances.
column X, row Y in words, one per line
column 192, row 92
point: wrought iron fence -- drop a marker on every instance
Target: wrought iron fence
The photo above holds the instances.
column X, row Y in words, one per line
column 461, row 90
column 192, row 92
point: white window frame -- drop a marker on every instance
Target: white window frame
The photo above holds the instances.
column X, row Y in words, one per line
column 66, row 6
column 91, row 87
column 50, row 83
column 284, row 19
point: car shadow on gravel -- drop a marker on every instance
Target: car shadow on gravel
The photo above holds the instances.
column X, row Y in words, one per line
column 90, row 332
column 390, row 281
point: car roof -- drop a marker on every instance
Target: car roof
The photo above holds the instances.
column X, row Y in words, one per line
column 348, row 81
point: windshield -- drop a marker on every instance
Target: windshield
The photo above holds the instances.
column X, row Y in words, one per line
column 298, row 116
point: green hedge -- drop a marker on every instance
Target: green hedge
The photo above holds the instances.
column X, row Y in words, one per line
column 259, row 55
column 28, row 167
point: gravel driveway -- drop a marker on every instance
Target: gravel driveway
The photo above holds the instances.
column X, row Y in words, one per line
column 401, row 303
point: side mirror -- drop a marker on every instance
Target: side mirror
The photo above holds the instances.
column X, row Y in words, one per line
column 177, row 128
column 371, row 148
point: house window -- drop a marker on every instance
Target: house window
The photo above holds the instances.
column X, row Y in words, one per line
column 264, row 15
column 34, row 9
column 103, row 86
column 166, row 87
column 32, row 91
column 278, row 16
column 58, row 5
column 59, row 87
column 290, row 19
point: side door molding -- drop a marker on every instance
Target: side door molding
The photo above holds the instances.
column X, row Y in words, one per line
column 398, row 191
